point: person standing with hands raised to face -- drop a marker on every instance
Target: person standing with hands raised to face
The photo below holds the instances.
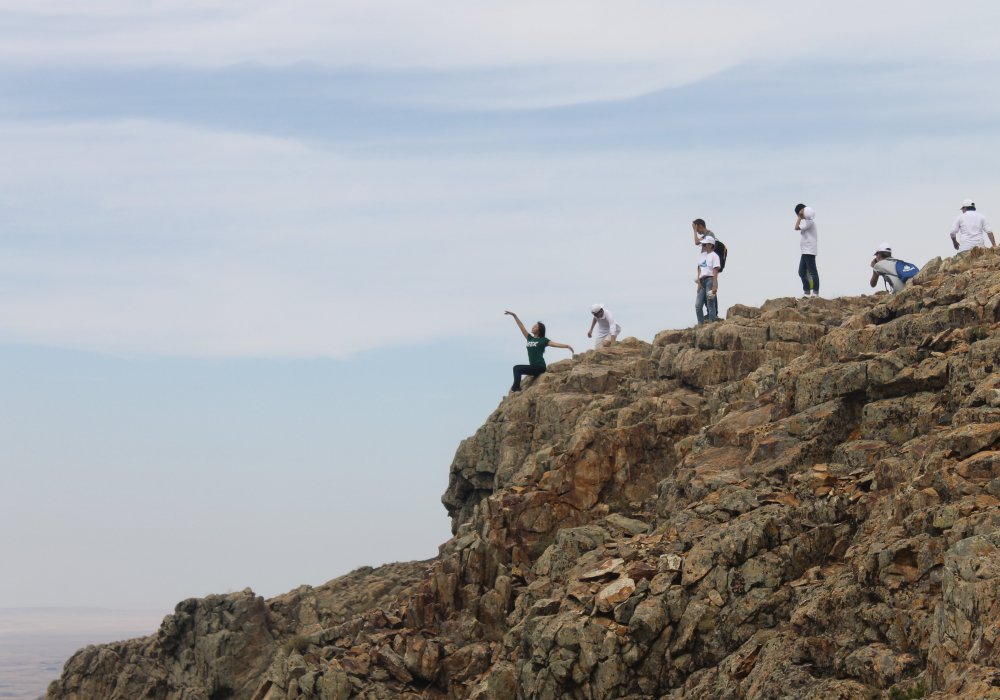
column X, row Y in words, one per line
column 805, row 224
column 537, row 342
column 707, row 279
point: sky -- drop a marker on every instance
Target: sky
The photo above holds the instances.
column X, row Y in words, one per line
column 254, row 256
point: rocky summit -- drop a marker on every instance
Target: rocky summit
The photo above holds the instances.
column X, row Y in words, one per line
column 802, row 501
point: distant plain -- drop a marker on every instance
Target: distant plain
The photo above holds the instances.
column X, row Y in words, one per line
column 36, row 642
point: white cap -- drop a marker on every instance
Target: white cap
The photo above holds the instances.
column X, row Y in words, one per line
column 596, row 308
column 808, row 213
column 708, row 239
column 885, row 247
column 966, row 203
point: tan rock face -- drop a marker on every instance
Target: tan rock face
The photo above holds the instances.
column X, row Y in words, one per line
column 798, row 502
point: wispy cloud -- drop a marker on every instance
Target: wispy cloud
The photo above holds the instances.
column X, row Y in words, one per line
column 578, row 50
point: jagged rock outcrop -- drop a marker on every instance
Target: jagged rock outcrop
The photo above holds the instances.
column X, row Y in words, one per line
column 798, row 502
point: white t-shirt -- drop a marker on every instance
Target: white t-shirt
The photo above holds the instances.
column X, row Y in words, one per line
column 707, row 264
column 970, row 230
column 606, row 326
column 807, row 228
column 887, row 269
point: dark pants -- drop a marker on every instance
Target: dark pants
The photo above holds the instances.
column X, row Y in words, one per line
column 807, row 272
column 525, row 370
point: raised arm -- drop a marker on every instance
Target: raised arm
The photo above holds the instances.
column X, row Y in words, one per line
column 554, row 344
column 524, row 331
column 874, row 280
column 697, row 238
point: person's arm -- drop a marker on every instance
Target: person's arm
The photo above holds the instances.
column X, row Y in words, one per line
column 954, row 234
column 715, row 280
column 613, row 329
column 989, row 233
column 554, row 344
column 874, row 280
column 697, row 238
column 520, row 325
column 798, row 223
column 593, row 322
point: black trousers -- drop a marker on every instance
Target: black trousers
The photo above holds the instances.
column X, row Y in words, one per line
column 525, row 370
column 807, row 270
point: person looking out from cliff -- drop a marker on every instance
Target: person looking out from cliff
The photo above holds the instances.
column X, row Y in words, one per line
column 970, row 229
column 884, row 266
column 707, row 279
column 805, row 224
column 700, row 231
column 608, row 329
column 537, row 342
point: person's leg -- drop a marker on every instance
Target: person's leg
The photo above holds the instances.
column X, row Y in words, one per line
column 524, row 370
column 600, row 342
column 804, row 274
column 713, row 303
column 813, row 272
column 699, row 302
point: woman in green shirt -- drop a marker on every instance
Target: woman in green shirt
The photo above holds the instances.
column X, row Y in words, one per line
column 537, row 342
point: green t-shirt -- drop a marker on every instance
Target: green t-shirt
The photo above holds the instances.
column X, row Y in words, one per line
column 536, row 348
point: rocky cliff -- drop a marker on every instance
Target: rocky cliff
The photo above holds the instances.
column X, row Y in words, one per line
column 798, row 502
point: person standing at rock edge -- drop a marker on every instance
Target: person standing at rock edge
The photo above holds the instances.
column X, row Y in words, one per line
column 970, row 229
column 808, row 245
column 608, row 329
column 537, row 342
column 707, row 280
column 884, row 266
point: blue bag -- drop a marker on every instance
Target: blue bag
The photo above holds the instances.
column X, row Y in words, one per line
column 905, row 271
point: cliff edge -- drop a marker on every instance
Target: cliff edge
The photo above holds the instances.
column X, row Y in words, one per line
column 802, row 501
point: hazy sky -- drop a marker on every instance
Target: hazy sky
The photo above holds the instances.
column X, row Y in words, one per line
column 254, row 256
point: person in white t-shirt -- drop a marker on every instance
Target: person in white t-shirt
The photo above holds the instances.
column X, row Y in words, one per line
column 970, row 229
column 808, row 245
column 707, row 280
column 884, row 266
column 608, row 329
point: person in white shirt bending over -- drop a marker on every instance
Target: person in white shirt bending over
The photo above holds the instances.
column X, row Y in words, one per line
column 806, row 226
column 970, row 229
column 884, row 266
column 607, row 329
column 708, row 281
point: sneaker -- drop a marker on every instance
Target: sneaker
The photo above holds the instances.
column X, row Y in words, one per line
column 806, row 295
column 815, row 295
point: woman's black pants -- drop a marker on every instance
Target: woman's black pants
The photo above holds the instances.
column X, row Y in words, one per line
column 522, row 370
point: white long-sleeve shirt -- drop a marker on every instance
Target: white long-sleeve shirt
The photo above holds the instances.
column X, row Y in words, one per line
column 809, row 244
column 606, row 325
column 970, row 230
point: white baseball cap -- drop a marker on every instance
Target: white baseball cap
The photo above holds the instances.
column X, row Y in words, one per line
column 596, row 308
column 708, row 239
column 885, row 247
column 966, row 203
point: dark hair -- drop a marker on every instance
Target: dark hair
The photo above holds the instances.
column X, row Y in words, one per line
column 699, row 222
column 541, row 329
column 798, row 208
column 972, row 208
